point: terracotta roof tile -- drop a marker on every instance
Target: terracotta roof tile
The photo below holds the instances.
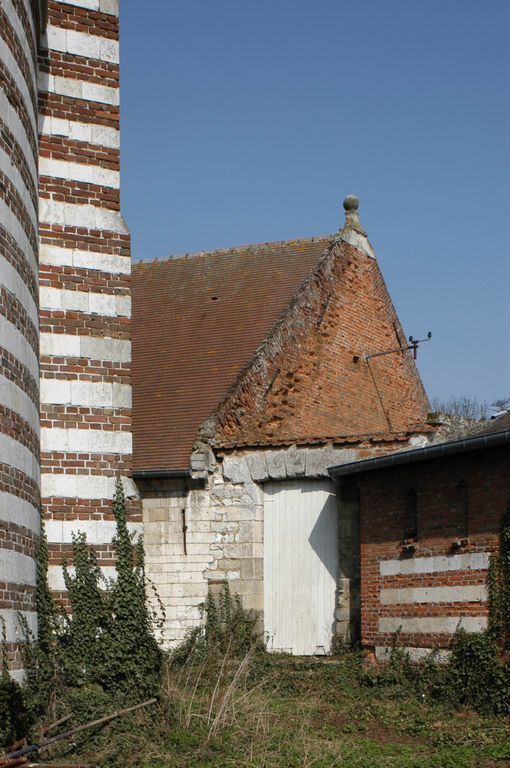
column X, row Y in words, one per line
column 197, row 322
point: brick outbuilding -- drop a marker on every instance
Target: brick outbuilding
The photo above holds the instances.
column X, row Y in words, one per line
column 427, row 521
column 250, row 379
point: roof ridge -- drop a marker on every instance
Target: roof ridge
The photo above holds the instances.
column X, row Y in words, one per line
column 232, row 249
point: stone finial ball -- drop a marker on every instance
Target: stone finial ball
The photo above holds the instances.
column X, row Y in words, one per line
column 351, row 203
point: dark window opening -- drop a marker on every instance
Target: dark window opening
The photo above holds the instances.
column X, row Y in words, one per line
column 411, row 517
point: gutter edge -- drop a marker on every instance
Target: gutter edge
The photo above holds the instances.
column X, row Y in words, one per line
column 422, row 454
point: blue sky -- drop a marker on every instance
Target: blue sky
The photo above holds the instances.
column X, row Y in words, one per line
column 250, row 120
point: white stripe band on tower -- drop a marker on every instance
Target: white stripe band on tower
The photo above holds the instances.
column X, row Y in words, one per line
column 55, row 256
column 16, row 127
column 90, row 394
column 11, row 279
column 14, row 398
column 16, row 568
column 84, row 216
column 111, row 7
column 17, row 75
column 12, row 225
column 17, row 26
column 93, row 347
column 18, row 511
column 81, row 44
column 85, row 440
column 91, row 302
column 71, row 486
column 90, row 174
column 18, row 456
column 96, row 531
column 78, row 89
column 13, row 627
column 16, row 343
column 99, row 135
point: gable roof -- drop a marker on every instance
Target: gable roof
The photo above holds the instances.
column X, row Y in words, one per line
column 197, row 322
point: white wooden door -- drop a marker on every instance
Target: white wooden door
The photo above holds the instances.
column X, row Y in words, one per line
column 300, row 565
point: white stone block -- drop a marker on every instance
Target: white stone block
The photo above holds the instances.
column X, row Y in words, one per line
column 109, row 50
column 92, row 5
column 60, row 345
column 115, row 350
column 16, row 568
column 11, row 396
column 18, row 511
column 13, row 627
column 16, row 455
column 50, row 298
column 109, row 6
column 14, row 228
column 102, row 304
column 55, row 38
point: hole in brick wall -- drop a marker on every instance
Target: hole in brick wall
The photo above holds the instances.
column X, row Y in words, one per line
column 214, row 298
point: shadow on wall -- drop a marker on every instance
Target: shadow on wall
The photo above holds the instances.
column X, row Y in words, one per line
column 323, row 538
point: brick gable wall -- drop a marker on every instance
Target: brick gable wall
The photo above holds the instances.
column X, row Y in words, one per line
column 310, row 382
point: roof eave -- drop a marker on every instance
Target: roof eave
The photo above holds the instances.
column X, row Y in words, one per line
column 160, row 474
column 423, row 454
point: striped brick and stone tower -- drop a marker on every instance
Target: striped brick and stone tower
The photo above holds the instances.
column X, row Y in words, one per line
column 20, row 26
column 84, row 279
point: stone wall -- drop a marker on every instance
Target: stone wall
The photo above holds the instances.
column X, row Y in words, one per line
column 222, row 509
column 19, row 325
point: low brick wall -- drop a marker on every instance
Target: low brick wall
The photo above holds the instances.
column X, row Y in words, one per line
column 449, row 512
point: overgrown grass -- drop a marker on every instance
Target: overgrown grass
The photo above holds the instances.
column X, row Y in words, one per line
column 261, row 711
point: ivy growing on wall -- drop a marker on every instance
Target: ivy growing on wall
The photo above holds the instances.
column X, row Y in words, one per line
column 499, row 587
column 106, row 638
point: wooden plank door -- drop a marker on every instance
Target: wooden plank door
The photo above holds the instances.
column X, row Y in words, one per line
column 300, row 565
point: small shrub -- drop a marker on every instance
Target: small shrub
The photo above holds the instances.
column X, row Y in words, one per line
column 476, row 674
column 14, row 718
column 227, row 626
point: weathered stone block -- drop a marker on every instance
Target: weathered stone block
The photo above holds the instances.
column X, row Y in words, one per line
column 295, row 462
column 246, row 529
column 257, row 466
column 258, row 568
column 236, row 469
column 253, row 494
column 276, row 465
column 317, row 461
column 237, row 513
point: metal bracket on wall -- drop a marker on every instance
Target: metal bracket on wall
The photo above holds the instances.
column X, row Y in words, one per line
column 184, row 529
